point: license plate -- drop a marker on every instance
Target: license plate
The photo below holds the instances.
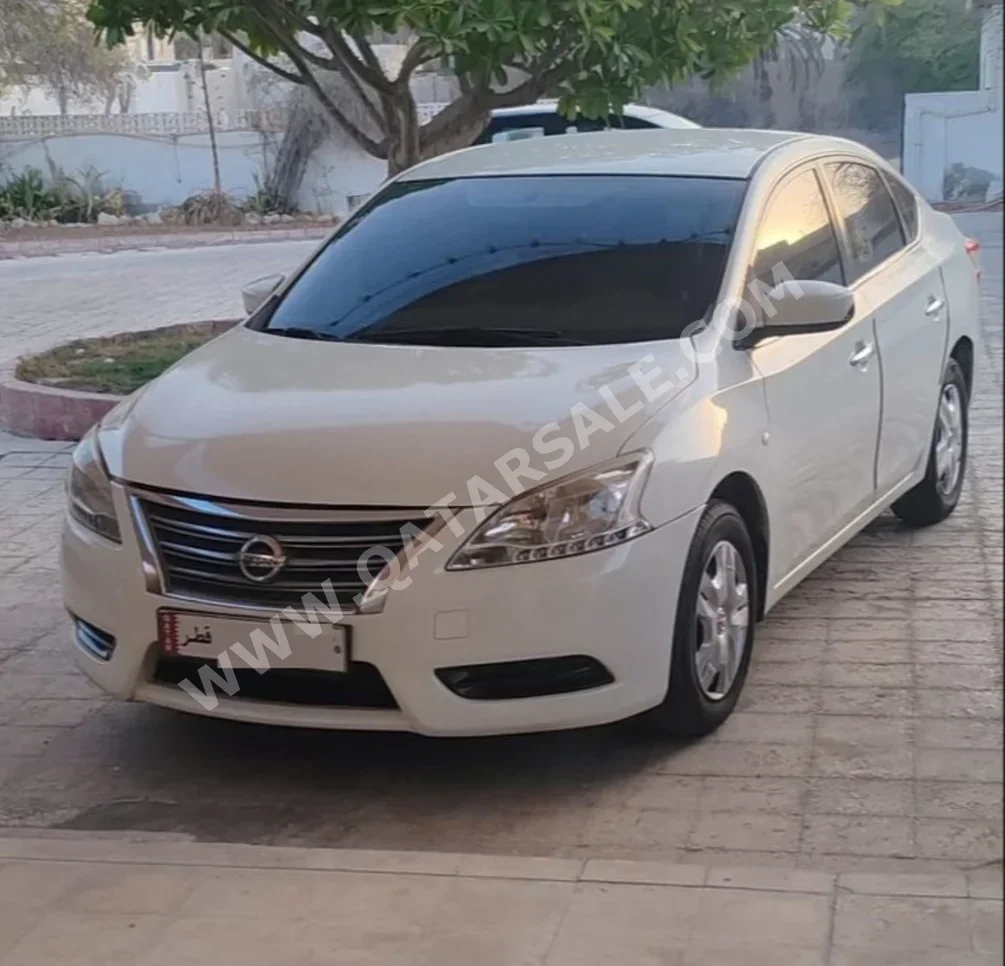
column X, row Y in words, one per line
column 246, row 641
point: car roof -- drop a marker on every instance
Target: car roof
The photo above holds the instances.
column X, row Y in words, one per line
column 641, row 111
column 689, row 152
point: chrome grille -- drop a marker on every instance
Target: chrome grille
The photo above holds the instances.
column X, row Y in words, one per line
column 198, row 545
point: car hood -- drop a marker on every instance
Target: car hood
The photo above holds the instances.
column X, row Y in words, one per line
column 254, row 416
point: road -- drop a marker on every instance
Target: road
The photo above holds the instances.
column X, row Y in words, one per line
column 869, row 735
column 55, row 299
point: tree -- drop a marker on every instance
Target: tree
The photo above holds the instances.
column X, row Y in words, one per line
column 595, row 55
column 921, row 45
column 50, row 43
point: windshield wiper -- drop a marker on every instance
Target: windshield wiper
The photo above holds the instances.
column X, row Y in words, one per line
column 472, row 335
column 302, row 332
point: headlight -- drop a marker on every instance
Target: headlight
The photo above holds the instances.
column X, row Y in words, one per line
column 579, row 514
column 89, row 491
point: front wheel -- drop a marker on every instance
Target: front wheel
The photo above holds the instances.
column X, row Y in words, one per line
column 936, row 496
column 714, row 629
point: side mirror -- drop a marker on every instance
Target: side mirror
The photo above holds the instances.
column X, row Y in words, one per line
column 255, row 293
column 797, row 307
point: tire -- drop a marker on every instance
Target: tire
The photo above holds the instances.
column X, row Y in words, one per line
column 691, row 708
column 936, row 496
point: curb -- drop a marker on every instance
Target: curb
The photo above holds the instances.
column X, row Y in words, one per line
column 42, row 412
column 152, row 849
column 46, row 412
column 37, row 248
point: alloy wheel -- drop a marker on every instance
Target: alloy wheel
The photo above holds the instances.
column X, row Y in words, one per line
column 949, row 440
column 723, row 620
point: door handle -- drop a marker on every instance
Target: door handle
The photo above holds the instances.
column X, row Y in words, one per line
column 862, row 354
column 935, row 306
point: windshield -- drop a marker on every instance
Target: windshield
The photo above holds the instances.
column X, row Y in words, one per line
column 518, row 261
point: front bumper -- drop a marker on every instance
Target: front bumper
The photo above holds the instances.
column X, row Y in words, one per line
column 616, row 606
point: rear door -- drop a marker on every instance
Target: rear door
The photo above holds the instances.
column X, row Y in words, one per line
column 822, row 388
column 890, row 268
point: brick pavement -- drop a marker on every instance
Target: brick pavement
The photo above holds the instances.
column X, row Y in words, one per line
column 49, row 301
column 869, row 736
column 154, row 902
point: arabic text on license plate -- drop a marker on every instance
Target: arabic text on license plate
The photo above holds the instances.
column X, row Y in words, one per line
column 191, row 634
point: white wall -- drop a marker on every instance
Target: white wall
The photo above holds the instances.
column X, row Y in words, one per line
column 162, row 170
column 165, row 88
column 961, row 127
column 339, row 174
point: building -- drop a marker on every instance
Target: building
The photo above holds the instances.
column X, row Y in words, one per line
column 953, row 140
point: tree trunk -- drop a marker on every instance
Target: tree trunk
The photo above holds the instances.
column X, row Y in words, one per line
column 765, row 92
column 217, row 183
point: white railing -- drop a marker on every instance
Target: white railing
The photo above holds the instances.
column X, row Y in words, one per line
column 151, row 124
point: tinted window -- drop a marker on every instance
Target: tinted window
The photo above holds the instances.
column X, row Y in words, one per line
column 513, row 126
column 907, row 202
column 797, row 232
column 869, row 216
column 520, row 260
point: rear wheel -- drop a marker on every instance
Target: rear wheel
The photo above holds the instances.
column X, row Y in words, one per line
column 936, row 496
column 714, row 631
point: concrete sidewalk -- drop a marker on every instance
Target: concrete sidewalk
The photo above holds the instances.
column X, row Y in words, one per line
column 167, row 901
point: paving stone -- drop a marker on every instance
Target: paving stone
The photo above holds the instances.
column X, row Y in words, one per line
column 949, row 885
column 740, row 795
column 902, row 922
column 858, row 835
column 863, row 730
column 849, row 760
column 762, row 919
column 753, row 831
column 956, row 733
column 860, row 796
column 958, row 764
column 958, row 840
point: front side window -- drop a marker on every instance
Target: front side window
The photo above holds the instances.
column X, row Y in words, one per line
column 796, row 232
column 592, row 259
column 869, row 216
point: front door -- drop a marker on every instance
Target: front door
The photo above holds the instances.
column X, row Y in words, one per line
column 901, row 279
column 822, row 389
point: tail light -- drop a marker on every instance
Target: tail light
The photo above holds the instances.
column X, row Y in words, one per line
column 973, row 250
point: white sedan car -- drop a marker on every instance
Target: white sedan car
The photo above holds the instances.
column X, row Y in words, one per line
column 532, row 441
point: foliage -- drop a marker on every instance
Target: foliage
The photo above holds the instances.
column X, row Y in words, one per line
column 84, row 197
column 49, row 43
column 595, row 55
column 115, row 364
column 67, row 199
column 923, row 45
column 267, row 200
column 205, row 208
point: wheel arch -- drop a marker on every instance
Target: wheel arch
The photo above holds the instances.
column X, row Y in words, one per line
column 963, row 353
column 741, row 491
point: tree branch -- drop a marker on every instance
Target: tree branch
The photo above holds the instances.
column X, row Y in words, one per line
column 295, row 52
column 475, row 106
column 369, row 73
column 417, row 55
column 263, row 61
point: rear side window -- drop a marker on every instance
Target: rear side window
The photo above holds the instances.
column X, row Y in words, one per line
column 907, row 203
column 796, row 232
column 590, row 259
column 870, row 219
